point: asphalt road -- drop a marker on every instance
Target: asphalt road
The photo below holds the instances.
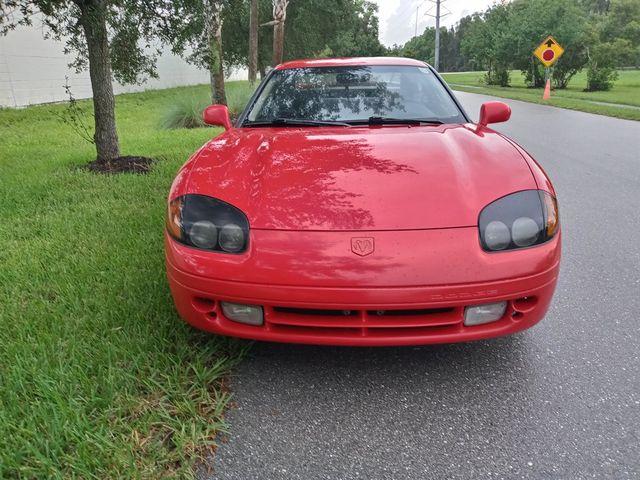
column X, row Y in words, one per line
column 561, row 400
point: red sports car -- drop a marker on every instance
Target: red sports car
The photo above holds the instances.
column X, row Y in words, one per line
column 354, row 202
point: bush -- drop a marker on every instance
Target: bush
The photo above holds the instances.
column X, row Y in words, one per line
column 600, row 78
column 497, row 76
column 534, row 77
column 601, row 72
column 573, row 60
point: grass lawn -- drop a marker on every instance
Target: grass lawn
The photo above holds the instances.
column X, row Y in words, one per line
column 626, row 91
column 99, row 378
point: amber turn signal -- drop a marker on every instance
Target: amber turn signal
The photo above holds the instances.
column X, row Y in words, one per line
column 550, row 205
column 174, row 220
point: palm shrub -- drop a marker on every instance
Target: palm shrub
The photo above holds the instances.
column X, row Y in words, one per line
column 237, row 98
column 185, row 109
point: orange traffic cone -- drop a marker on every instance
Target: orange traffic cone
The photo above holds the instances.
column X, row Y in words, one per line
column 547, row 90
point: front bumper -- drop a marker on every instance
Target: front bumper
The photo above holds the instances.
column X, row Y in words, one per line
column 319, row 304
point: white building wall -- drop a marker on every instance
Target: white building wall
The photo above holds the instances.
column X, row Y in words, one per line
column 33, row 70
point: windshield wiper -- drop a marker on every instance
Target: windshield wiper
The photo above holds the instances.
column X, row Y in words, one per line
column 294, row 121
column 400, row 121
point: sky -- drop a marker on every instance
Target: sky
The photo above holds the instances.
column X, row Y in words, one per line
column 398, row 17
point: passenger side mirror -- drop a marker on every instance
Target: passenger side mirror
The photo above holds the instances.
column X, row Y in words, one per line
column 494, row 112
column 217, row 115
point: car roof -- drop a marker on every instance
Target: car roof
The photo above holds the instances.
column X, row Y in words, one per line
column 350, row 61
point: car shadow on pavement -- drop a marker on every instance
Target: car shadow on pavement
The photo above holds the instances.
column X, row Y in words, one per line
column 300, row 377
column 494, row 354
column 301, row 405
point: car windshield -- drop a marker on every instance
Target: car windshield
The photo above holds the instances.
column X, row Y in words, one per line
column 353, row 94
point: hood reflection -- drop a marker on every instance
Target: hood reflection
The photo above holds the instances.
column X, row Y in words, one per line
column 359, row 178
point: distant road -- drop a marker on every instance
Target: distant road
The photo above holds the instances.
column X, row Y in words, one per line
column 559, row 401
column 622, row 101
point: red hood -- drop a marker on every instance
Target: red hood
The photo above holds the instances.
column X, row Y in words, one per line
column 359, row 178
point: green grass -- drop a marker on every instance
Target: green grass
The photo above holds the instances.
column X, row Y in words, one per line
column 626, row 91
column 99, row 378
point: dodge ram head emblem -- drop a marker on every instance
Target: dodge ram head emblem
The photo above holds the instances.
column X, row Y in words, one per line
column 362, row 246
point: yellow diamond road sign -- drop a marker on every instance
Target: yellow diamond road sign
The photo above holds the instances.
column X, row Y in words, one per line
column 549, row 51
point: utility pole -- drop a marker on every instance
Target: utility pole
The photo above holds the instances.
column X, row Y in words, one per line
column 437, row 16
column 436, row 60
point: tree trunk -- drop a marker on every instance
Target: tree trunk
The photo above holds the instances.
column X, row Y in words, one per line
column 221, row 95
column 93, row 20
column 279, row 17
column 253, row 42
column 278, row 43
column 213, row 30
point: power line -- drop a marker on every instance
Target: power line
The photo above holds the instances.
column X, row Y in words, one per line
column 405, row 14
column 408, row 9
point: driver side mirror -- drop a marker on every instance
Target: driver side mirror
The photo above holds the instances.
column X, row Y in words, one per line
column 494, row 112
column 217, row 115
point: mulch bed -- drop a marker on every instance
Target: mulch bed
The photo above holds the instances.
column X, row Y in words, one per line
column 126, row 164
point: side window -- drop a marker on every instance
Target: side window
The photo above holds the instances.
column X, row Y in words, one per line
column 436, row 96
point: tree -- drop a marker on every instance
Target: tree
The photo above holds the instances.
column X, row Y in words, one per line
column 421, row 47
column 343, row 27
column 505, row 36
column 107, row 36
column 235, row 35
column 531, row 22
column 462, row 29
column 279, row 17
column 452, row 59
column 196, row 26
column 253, row 41
column 595, row 6
column 214, row 54
column 319, row 27
column 356, row 34
column 622, row 27
column 487, row 43
column 613, row 41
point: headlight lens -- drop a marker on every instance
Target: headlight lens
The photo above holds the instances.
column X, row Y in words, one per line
column 203, row 234
column 497, row 235
column 231, row 238
column 208, row 223
column 525, row 231
column 519, row 220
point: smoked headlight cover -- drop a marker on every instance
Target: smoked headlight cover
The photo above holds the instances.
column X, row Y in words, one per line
column 522, row 219
column 199, row 221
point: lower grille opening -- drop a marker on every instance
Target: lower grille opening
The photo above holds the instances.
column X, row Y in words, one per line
column 317, row 311
column 403, row 313
column 314, row 331
column 362, row 322
column 366, row 332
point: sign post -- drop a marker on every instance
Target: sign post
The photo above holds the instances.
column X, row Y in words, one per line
column 548, row 52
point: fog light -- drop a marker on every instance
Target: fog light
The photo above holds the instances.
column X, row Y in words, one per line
column 249, row 314
column 479, row 314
